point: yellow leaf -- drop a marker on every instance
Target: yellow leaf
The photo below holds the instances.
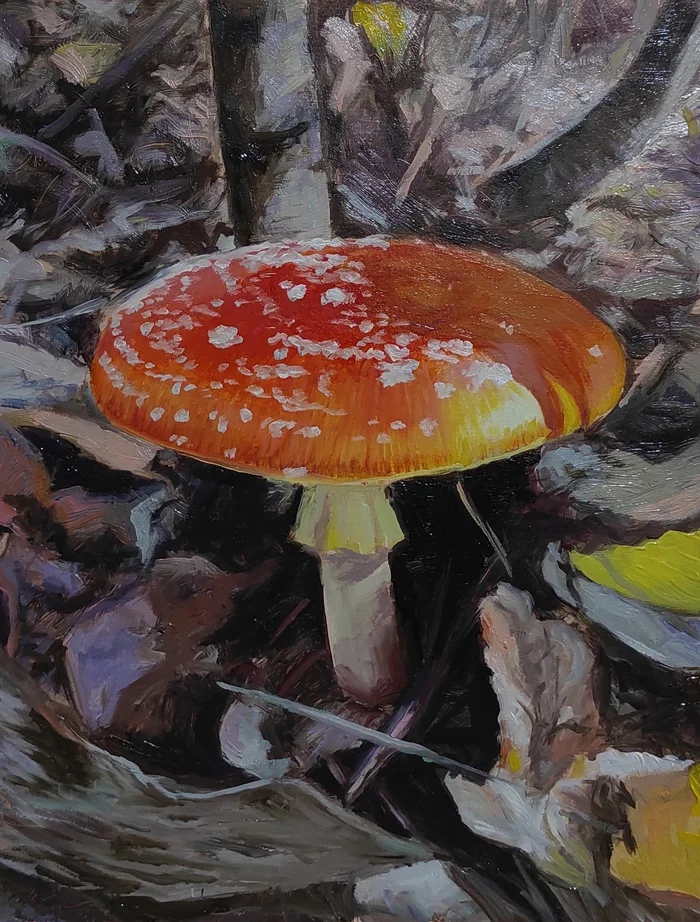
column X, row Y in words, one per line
column 666, row 830
column 385, row 26
column 664, row 572
column 691, row 121
column 84, row 62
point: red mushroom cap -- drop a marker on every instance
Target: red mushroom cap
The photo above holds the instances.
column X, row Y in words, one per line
column 354, row 360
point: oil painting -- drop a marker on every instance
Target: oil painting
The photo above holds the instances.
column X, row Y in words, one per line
column 349, row 461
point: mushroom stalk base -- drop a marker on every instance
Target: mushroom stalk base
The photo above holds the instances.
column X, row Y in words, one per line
column 352, row 530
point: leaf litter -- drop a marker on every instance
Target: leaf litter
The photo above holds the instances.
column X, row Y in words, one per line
column 138, row 588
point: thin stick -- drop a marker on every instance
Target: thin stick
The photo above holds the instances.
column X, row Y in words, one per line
column 43, row 152
column 87, row 307
column 489, row 533
column 147, row 41
column 647, row 375
column 364, row 733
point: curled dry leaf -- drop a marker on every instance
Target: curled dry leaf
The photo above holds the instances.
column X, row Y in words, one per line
column 123, row 652
column 659, row 635
column 554, row 795
column 422, row 892
column 619, row 493
column 32, row 377
column 244, row 743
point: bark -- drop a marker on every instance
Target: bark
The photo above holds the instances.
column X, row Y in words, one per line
column 270, row 121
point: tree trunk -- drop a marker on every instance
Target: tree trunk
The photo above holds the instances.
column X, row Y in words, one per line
column 270, row 121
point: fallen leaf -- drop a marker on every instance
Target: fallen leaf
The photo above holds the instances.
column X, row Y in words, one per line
column 663, row 571
column 563, row 815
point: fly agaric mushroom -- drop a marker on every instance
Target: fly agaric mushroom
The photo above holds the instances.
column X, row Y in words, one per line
column 344, row 366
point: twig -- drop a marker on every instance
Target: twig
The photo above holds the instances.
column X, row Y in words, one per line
column 415, row 711
column 379, row 738
column 340, row 775
column 87, row 307
column 647, row 375
column 557, row 172
column 296, row 674
column 398, row 745
column 488, row 532
column 135, row 53
column 421, row 155
column 289, row 619
column 43, row 152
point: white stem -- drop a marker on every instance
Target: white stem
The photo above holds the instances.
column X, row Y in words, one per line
column 361, row 625
column 353, row 528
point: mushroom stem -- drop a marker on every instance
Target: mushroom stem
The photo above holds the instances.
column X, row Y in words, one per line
column 352, row 529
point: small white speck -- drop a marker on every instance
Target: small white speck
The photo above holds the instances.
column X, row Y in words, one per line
column 296, row 293
column 352, row 278
column 366, row 326
column 508, row 327
column 223, row 337
column 281, row 354
column 396, row 353
column 223, row 367
column 427, row 426
column 384, row 438
column 185, row 281
column 182, row 416
column 393, row 373
column 190, row 387
column 178, row 440
column 176, row 387
column 398, row 424
column 265, row 372
column 324, row 383
column 213, row 414
column 157, row 413
column 293, row 472
column 336, row 296
column 596, row 351
column 230, row 453
column 358, row 438
column 216, row 385
column 478, row 373
column 245, row 415
column 217, row 302
column 372, row 422
column 278, row 426
column 146, row 328
column 405, row 339
column 222, row 425
column 309, row 432
column 256, row 391
column 444, row 390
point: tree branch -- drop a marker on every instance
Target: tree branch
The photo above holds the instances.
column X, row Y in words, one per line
column 557, row 175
